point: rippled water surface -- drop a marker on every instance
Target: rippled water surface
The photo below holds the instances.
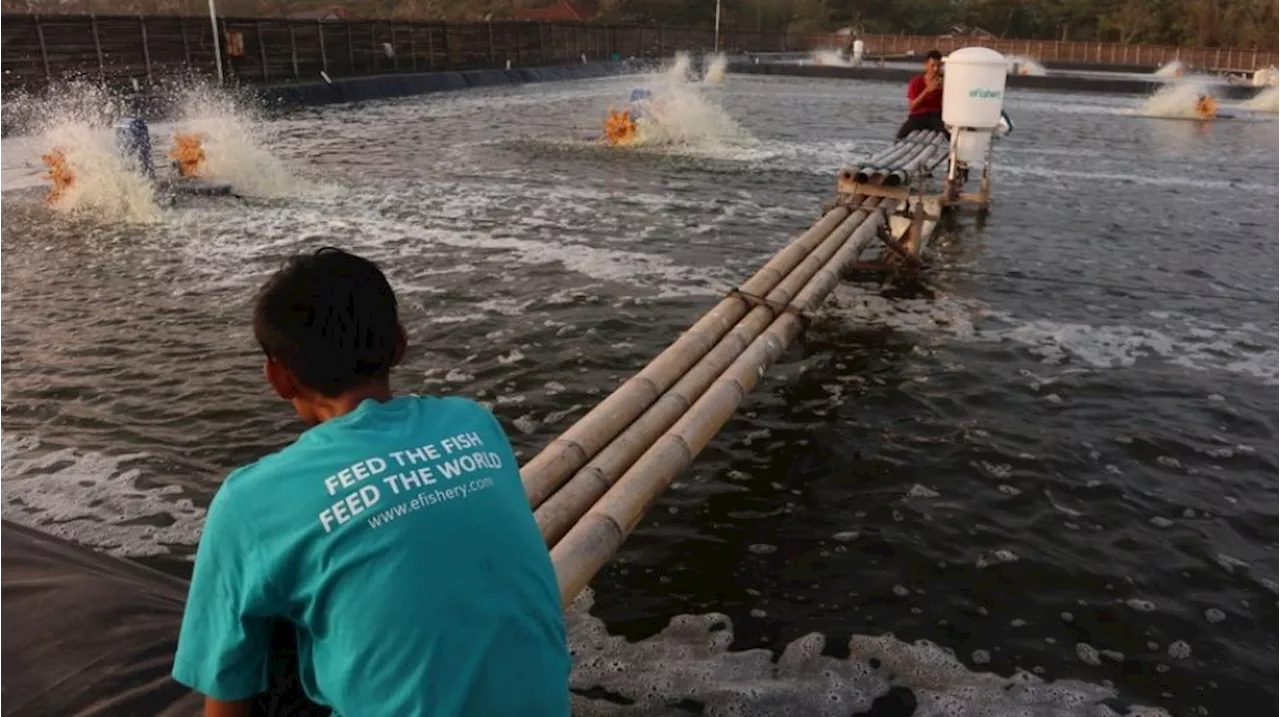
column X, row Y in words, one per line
column 1066, row 477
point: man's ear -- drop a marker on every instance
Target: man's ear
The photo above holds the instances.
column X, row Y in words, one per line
column 281, row 379
column 402, row 344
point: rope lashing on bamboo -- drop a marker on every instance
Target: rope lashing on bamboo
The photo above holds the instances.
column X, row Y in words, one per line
column 548, row 470
column 774, row 307
column 587, row 519
column 560, row 510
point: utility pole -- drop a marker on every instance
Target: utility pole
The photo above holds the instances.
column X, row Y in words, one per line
column 217, row 44
column 717, row 24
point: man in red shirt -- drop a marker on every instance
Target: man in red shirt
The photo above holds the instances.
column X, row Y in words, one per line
column 924, row 95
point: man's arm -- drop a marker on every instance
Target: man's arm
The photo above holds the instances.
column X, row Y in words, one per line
column 918, row 91
column 220, row 708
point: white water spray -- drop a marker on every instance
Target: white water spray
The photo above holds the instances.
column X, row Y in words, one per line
column 678, row 114
column 1174, row 68
column 233, row 144
column 680, row 71
column 715, row 68
column 1265, row 77
column 1019, row 65
column 1267, row 100
column 830, row 58
column 1175, row 101
column 76, row 120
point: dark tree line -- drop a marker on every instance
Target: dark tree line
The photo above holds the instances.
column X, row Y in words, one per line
column 1189, row 23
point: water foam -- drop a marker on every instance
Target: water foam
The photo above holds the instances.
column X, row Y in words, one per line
column 1176, row 339
column 94, row 499
column 690, row 664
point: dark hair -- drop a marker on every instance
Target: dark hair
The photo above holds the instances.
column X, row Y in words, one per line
column 330, row 318
column 934, row 55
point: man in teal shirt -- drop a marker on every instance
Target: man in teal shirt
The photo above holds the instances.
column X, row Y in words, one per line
column 393, row 535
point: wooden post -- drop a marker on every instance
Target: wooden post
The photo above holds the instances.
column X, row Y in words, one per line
column 395, row 54
column 373, row 44
column 324, row 57
column 293, row 50
column 97, row 45
column 431, row 48
column 493, row 58
column 262, row 51
column 44, row 53
column 413, row 47
column 146, row 51
column 351, row 49
column 444, row 37
column 186, row 44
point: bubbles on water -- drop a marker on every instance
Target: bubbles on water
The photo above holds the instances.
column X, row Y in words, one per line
column 996, row 557
column 762, row 549
column 846, row 536
column 1088, row 654
column 1228, row 563
column 94, row 499
column 1141, row 605
column 1161, row 522
column 1213, row 615
column 1179, row 650
column 919, row 491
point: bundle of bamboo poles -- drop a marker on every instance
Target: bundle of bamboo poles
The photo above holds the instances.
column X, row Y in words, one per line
column 592, row 485
column 920, row 150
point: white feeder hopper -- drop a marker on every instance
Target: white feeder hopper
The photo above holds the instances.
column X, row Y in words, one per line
column 858, row 49
column 972, row 99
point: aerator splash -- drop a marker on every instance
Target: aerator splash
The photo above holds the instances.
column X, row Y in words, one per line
column 133, row 140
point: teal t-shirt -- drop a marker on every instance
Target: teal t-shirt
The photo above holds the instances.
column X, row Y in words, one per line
column 398, row 541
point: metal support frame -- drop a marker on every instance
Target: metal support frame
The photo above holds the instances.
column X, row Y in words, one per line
column 952, row 194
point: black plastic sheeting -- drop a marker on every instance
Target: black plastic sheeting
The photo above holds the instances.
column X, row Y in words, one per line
column 355, row 89
column 90, row 635
column 1041, row 82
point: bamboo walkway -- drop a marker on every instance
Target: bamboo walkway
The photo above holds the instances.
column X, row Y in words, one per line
column 594, row 483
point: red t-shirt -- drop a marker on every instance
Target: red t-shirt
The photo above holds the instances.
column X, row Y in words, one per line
column 932, row 103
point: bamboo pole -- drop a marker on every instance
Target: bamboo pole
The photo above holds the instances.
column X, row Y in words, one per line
column 882, row 174
column 598, row 535
column 901, row 149
column 927, row 159
column 558, row 513
column 548, row 470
